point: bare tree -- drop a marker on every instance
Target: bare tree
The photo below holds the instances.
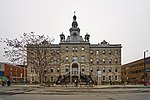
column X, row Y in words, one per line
column 29, row 48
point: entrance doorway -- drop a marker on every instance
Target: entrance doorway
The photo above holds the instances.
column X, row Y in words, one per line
column 75, row 69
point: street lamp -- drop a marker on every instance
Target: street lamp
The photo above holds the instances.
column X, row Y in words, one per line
column 145, row 66
column 24, row 72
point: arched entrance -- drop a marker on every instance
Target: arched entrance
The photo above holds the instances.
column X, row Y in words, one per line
column 75, row 69
column 75, row 72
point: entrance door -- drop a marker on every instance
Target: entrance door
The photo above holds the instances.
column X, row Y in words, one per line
column 75, row 69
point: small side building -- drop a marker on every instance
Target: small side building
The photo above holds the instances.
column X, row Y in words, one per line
column 15, row 73
column 133, row 72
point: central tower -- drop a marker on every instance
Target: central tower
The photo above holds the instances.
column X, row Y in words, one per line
column 74, row 34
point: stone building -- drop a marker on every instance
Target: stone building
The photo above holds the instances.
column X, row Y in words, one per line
column 76, row 58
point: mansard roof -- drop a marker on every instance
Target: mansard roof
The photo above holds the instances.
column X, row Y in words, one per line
column 105, row 44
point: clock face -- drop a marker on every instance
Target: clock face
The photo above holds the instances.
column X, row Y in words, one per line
column 74, row 34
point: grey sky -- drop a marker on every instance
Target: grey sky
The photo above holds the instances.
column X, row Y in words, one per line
column 117, row 21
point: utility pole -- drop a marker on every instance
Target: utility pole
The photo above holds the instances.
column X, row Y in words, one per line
column 145, row 67
column 24, row 72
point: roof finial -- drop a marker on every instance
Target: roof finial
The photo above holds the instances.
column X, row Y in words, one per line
column 74, row 12
column 74, row 17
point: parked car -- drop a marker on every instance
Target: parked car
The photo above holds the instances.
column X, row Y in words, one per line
column 147, row 82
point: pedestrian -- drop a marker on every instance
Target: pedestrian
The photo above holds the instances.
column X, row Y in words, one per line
column 75, row 81
column 3, row 83
column 8, row 82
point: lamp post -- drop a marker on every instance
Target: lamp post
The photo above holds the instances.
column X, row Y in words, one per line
column 145, row 66
column 24, row 72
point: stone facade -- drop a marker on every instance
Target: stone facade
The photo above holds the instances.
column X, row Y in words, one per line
column 74, row 58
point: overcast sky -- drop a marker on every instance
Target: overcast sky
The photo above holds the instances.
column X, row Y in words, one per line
column 125, row 22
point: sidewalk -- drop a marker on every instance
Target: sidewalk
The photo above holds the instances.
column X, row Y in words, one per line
column 37, row 89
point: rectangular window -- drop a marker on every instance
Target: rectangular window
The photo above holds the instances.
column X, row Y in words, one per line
column 58, row 51
column 51, row 51
column 91, row 69
column 110, row 69
column 110, row 61
column 82, row 58
column 91, row 52
column 104, row 78
column 116, row 52
column 58, row 70
column 52, row 70
column 104, row 61
column 58, row 60
column 51, row 60
column 32, row 79
column 20, row 75
column 82, row 69
column 73, row 58
column 82, row 48
column 44, row 52
column 116, row 60
column 76, row 49
column 52, row 78
column 91, row 60
column 116, row 78
column 66, row 58
column 110, row 52
column 97, row 52
column 104, row 52
column 10, row 67
column 110, row 78
column 116, row 69
column 104, row 69
column 67, row 69
column 31, row 69
column 66, row 49
column 97, row 61
column 73, row 49
column 76, row 58
column 97, row 68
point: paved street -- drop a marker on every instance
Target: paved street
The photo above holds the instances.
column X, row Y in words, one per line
column 74, row 93
column 97, row 96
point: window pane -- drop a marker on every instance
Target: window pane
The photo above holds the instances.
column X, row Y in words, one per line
column 110, row 69
column 97, row 52
column 82, row 48
column 82, row 58
column 104, row 51
column 104, row 69
column 116, row 78
column 104, row 78
column 66, row 49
